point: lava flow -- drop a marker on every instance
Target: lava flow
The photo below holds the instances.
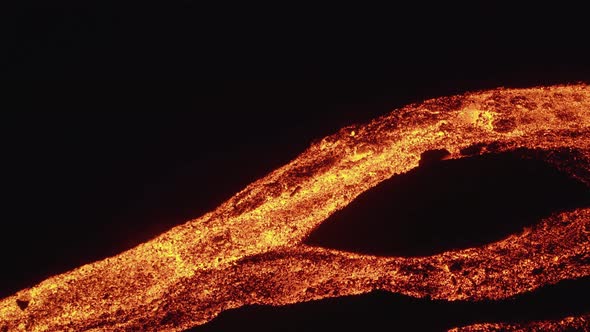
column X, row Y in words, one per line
column 580, row 323
column 250, row 249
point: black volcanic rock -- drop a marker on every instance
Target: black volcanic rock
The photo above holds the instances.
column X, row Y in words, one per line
column 378, row 310
column 451, row 204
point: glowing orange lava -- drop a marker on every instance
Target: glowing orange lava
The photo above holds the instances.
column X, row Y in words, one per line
column 249, row 250
column 580, row 323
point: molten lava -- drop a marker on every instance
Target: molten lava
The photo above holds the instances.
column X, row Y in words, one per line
column 580, row 323
column 250, row 249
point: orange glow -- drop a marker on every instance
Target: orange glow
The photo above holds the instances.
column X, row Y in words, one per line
column 580, row 323
column 249, row 250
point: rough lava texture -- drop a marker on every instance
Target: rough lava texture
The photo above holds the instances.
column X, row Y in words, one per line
column 580, row 323
column 250, row 249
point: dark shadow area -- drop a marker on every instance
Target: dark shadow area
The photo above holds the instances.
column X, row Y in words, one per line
column 451, row 204
column 92, row 168
column 82, row 183
column 379, row 310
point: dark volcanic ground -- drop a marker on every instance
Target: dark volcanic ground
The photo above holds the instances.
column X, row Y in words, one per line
column 452, row 204
column 378, row 310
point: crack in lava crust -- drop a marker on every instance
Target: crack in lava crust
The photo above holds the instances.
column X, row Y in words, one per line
column 249, row 250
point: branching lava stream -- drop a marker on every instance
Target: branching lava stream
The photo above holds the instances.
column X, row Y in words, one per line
column 250, row 249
